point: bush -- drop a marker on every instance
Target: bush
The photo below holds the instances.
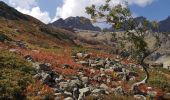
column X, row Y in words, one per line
column 15, row 76
column 13, row 61
column 13, row 83
column 159, row 83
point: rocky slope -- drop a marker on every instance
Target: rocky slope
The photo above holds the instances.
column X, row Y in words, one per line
column 39, row 62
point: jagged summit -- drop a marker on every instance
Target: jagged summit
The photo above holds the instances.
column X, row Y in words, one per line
column 76, row 22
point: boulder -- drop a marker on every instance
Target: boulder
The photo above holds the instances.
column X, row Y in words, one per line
column 93, row 65
column 66, row 66
column 85, row 80
column 37, row 76
column 64, row 85
column 98, row 91
column 166, row 96
column 29, row 58
column 101, row 63
column 69, row 98
column 139, row 97
column 104, row 86
column 84, row 92
column 45, row 78
column 152, row 94
column 76, row 93
column 58, row 79
column 86, row 56
column 44, row 67
column 79, row 55
column 75, row 83
column 119, row 91
column 84, row 63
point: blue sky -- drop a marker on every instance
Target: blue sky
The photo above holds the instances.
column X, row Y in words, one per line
column 50, row 10
column 158, row 10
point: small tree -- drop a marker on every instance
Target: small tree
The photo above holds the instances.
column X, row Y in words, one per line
column 120, row 18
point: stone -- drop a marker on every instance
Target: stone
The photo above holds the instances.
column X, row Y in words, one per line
column 60, row 78
column 69, row 98
column 104, row 86
column 76, row 93
column 85, row 80
column 93, row 65
column 84, row 63
column 86, row 56
column 84, row 92
column 98, row 91
column 64, row 85
column 37, row 76
column 57, row 91
column 133, row 78
column 119, row 91
column 101, row 64
column 67, row 93
column 79, row 55
column 13, row 50
column 152, row 94
column 45, row 78
column 29, row 58
column 35, row 65
column 74, row 83
column 21, row 44
column 44, row 67
column 133, row 74
column 92, row 71
column 66, row 66
column 166, row 96
column 139, row 97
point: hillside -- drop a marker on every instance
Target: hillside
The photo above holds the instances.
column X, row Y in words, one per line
column 44, row 62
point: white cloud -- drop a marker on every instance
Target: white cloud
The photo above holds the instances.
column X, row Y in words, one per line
column 30, row 7
column 77, row 7
column 26, row 4
column 36, row 12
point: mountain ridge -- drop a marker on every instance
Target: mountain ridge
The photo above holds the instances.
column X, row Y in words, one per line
column 76, row 23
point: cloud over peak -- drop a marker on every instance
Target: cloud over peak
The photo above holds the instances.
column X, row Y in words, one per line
column 30, row 7
column 67, row 9
column 77, row 7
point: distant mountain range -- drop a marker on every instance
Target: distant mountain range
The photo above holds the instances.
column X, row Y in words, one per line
column 85, row 24
column 76, row 23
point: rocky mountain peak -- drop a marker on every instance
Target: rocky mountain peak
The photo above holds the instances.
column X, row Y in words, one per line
column 81, row 23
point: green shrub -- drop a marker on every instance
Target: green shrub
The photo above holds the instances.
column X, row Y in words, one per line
column 15, row 76
column 159, row 83
column 13, row 61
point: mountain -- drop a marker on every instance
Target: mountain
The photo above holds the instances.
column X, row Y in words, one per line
column 81, row 23
column 10, row 13
column 164, row 25
column 24, row 26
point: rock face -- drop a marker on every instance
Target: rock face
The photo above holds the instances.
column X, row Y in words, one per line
column 81, row 23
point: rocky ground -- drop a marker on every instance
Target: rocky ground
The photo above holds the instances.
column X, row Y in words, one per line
column 98, row 76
